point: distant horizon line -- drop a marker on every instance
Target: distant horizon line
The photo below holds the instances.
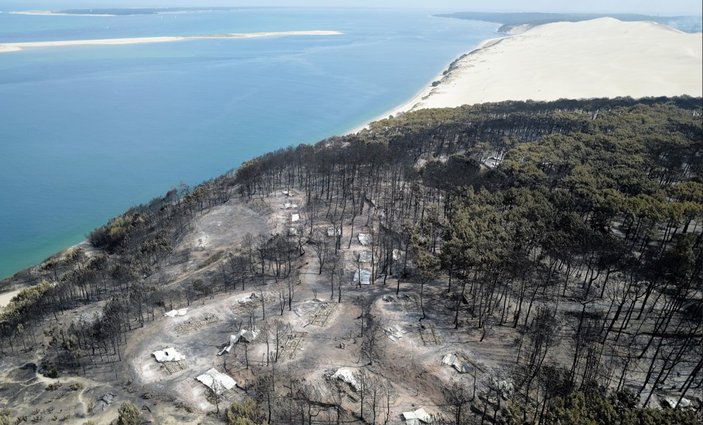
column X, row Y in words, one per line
column 442, row 9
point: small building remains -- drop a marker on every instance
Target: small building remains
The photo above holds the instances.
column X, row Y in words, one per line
column 458, row 362
column 243, row 335
column 417, row 417
column 168, row 355
column 365, row 239
column 217, row 382
column 365, row 257
column 294, row 218
column 174, row 313
column 345, row 374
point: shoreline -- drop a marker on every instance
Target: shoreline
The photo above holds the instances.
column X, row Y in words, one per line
column 560, row 61
column 427, row 89
column 19, row 46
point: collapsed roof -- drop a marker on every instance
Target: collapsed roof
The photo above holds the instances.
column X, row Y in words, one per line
column 417, row 417
column 243, row 335
column 217, row 382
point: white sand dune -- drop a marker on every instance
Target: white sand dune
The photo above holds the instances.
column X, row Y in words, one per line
column 598, row 58
column 11, row 47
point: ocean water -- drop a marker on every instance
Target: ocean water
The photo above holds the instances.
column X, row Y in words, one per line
column 88, row 131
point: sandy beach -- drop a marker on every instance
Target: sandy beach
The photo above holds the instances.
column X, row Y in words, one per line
column 5, row 297
column 13, row 47
column 598, row 58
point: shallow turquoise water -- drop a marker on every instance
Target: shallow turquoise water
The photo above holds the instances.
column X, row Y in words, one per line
column 86, row 132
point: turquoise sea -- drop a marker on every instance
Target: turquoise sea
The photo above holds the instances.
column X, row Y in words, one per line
column 86, row 132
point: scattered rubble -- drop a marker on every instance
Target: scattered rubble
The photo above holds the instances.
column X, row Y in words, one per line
column 104, row 401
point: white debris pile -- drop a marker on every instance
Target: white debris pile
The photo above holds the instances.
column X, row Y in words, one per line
column 292, row 231
column 458, row 362
column 332, row 232
column 347, row 375
column 290, row 205
column 365, row 239
column 294, row 218
column 168, row 355
column 363, row 277
column 394, row 332
column 248, row 299
column 174, row 313
column 397, row 254
column 217, row 382
column 673, row 402
column 417, row 417
column 243, row 335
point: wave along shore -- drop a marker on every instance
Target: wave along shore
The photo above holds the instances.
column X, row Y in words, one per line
column 590, row 59
column 13, row 47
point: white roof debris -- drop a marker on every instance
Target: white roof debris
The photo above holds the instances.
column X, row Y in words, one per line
column 216, row 381
column 292, row 231
column 347, row 375
column 673, row 401
column 174, row 313
column 363, row 277
column 458, row 362
column 394, row 332
column 365, row 257
column 397, row 254
column 249, row 298
column 294, row 218
column 243, row 335
column 365, row 239
column 168, row 355
column 419, row 415
column 290, row 205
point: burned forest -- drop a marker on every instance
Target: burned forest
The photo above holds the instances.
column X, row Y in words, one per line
column 508, row 263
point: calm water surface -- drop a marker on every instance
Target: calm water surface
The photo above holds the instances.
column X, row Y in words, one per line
column 86, row 132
